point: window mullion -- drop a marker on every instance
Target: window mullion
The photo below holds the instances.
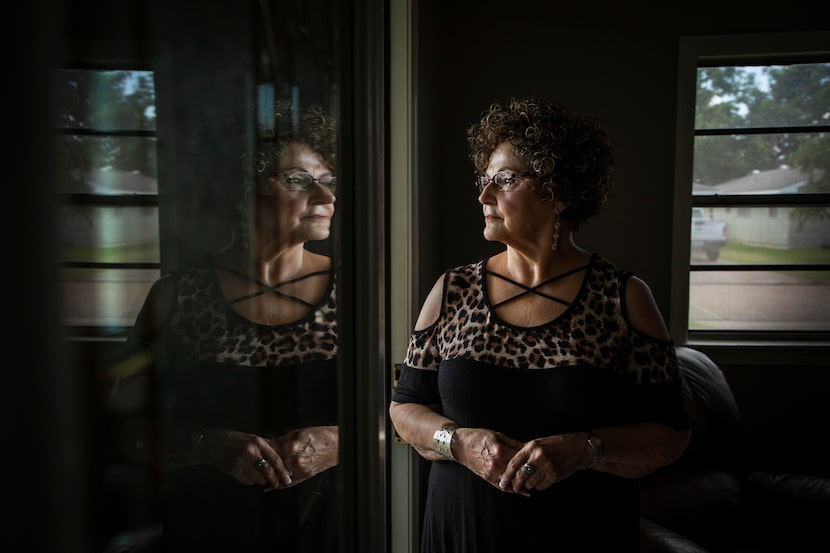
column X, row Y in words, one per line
column 753, row 200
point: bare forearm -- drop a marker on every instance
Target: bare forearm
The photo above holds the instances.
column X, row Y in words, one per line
column 416, row 424
column 635, row 450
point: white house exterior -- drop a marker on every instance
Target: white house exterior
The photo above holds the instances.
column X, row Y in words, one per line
column 769, row 226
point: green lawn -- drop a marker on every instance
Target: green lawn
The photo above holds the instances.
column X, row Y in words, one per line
column 741, row 253
column 144, row 252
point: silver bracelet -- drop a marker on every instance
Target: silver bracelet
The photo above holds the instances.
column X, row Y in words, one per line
column 442, row 439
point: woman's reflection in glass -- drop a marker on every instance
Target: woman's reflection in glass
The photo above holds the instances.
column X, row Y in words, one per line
column 241, row 345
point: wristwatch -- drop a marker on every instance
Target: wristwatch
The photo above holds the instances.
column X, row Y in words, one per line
column 197, row 437
column 596, row 444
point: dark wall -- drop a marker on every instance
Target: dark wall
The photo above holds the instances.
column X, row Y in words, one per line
column 621, row 69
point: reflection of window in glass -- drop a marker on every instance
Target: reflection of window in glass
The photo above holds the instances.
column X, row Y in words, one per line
column 761, row 146
column 106, row 177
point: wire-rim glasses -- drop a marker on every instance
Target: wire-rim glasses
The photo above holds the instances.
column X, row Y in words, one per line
column 301, row 181
column 503, row 180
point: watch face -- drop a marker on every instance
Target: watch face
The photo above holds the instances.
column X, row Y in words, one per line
column 595, row 440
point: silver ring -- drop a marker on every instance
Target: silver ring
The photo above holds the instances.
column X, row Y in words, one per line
column 261, row 464
column 528, row 469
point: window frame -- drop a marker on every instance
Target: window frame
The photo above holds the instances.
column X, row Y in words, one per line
column 712, row 51
column 108, row 56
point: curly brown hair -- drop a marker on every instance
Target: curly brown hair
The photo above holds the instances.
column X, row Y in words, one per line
column 570, row 153
column 314, row 128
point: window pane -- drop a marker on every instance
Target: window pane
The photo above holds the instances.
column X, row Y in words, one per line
column 109, row 234
column 104, row 100
column 105, row 297
column 763, row 300
column 789, row 163
column 762, row 96
column 761, row 235
column 106, row 164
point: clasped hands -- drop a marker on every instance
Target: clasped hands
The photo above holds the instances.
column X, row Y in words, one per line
column 520, row 467
column 272, row 461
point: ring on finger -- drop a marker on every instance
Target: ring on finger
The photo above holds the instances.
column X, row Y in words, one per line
column 262, row 464
column 528, row 469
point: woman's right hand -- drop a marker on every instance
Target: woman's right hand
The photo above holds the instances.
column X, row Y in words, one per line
column 308, row 451
column 240, row 455
column 485, row 452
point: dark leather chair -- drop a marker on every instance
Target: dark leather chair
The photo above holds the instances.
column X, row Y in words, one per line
column 710, row 500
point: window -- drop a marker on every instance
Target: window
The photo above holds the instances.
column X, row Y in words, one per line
column 758, row 115
column 106, row 178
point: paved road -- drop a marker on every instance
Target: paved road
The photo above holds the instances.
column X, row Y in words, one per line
column 766, row 300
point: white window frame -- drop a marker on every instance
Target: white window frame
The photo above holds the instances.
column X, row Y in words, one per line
column 732, row 49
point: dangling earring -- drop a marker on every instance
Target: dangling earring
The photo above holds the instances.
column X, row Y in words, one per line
column 555, row 234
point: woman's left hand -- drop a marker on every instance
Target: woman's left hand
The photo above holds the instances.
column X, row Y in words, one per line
column 543, row 462
column 307, row 451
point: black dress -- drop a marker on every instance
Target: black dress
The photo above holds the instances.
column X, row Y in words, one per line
column 585, row 369
column 221, row 370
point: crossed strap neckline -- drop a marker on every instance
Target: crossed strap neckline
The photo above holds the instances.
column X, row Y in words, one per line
column 272, row 288
column 534, row 289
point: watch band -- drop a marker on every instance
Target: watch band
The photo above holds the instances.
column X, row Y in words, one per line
column 197, row 437
column 596, row 444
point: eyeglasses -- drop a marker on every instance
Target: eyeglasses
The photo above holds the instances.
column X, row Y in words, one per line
column 503, row 180
column 301, row 181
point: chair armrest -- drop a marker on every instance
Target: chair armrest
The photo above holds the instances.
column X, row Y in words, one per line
column 658, row 539
column 786, row 508
column 777, row 493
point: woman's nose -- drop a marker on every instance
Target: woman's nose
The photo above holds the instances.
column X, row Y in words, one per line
column 322, row 194
column 486, row 194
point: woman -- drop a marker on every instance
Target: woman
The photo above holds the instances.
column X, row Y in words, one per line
column 244, row 346
column 542, row 378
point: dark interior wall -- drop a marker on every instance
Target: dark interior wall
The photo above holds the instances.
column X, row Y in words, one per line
column 621, row 69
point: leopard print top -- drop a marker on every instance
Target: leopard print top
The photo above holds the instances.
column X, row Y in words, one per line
column 594, row 331
column 225, row 371
column 207, row 328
